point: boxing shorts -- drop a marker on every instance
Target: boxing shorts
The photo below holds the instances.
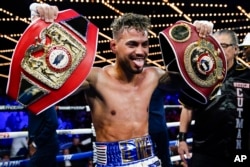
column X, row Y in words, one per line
column 200, row 61
column 134, row 152
column 51, row 60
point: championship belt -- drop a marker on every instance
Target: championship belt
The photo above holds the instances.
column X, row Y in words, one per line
column 200, row 61
column 51, row 60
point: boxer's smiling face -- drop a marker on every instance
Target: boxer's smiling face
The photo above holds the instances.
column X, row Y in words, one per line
column 131, row 49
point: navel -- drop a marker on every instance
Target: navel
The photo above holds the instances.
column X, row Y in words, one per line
column 113, row 112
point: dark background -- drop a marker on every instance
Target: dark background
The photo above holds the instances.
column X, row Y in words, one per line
column 15, row 17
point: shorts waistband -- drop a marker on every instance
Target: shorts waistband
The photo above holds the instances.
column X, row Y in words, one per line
column 123, row 152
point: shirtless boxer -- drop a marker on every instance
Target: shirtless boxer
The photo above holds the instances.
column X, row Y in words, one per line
column 119, row 94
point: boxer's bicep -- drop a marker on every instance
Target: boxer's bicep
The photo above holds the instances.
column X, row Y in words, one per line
column 171, row 81
column 85, row 85
column 165, row 79
column 91, row 78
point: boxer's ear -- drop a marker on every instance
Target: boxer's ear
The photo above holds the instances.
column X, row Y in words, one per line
column 113, row 46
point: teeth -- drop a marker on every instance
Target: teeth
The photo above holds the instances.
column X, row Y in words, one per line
column 139, row 59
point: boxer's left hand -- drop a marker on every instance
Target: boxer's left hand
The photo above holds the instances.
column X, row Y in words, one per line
column 203, row 27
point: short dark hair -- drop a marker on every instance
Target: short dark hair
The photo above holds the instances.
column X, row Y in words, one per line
column 130, row 20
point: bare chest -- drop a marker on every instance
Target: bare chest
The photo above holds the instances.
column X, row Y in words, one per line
column 125, row 94
column 118, row 96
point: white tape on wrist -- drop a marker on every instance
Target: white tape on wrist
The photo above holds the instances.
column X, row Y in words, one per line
column 33, row 9
column 33, row 144
column 209, row 23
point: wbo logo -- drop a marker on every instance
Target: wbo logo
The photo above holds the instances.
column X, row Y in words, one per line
column 240, row 158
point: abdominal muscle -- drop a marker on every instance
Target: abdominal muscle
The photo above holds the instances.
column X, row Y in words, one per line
column 122, row 116
column 114, row 122
column 119, row 131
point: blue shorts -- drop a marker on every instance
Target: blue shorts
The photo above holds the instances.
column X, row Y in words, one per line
column 134, row 152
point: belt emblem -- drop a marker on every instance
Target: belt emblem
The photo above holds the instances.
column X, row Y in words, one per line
column 54, row 56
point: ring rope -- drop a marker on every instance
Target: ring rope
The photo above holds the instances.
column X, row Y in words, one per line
column 4, row 135
column 87, row 108
column 59, row 158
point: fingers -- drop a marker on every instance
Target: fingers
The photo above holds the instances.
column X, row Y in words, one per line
column 184, row 152
column 184, row 160
column 204, row 28
column 47, row 13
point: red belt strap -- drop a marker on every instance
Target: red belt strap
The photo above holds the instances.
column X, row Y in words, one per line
column 200, row 61
column 51, row 60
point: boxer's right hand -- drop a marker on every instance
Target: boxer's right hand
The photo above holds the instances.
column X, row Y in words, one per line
column 44, row 11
